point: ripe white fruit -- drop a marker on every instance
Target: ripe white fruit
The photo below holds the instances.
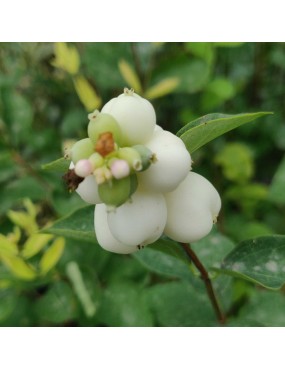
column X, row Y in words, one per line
column 135, row 116
column 172, row 165
column 88, row 190
column 191, row 209
column 141, row 221
column 104, row 235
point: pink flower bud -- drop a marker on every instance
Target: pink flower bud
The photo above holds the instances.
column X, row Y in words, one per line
column 120, row 169
column 83, row 168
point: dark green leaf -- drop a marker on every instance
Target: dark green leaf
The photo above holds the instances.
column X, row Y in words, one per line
column 259, row 260
column 264, row 308
column 59, row 165
column 179, row 304
column 124, row 305
column 57, row 305
column 199, row 132
column 276, row 190
column 165, row 257
column 79, row 225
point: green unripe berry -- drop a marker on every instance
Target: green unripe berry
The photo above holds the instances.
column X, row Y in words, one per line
column 116, row 192
column 146, row 155
column 102, row 123
column 131, row 156
column 96, row 160
column 82, row 149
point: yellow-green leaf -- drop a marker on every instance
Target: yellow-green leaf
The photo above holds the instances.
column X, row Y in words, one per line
column 18, row 267
column 7, row 246
column 30, row 207
column 86, row 93
column 66, row 58
column 162, row 88
column 52, row 255
column 130, row 76
column 24, row 220
column 34, row 244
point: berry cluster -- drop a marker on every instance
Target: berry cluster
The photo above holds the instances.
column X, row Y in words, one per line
column 139, row 175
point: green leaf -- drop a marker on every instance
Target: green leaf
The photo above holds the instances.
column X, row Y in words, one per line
column 179, row 304
column 165, row 257
column 264, row 308
column 57, row 305
column 59, row 165
column 124, row 305
column 202, row 50
column 79, row 225
column 259, row 260
column 212, row 249
column 276, row 190
column 52, row 255
column 197, row 133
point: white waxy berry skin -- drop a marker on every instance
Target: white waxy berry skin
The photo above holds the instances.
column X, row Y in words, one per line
column 140, row 221
column 173, row 163
column 191, row 209
column 88, row 190
column 104, row 235
column 135, row 116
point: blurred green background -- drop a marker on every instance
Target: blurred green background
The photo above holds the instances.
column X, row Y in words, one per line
column 46, row 92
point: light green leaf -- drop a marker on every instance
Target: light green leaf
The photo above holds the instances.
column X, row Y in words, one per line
column 57, row 305
column 163, row 87
column 204, row 129
column 276, row 190
column 79, row 225
column 7, row 246
column 260, row 260
column 165, row 257
column 80, row 289
column 59, row 165
column 130, row 76
column 23, row 220
column 18, row 267
column 52, row 255
column 35, row 244
column 237, row 162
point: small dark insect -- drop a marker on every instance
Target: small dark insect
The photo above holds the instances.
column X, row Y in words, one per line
column 72, row 180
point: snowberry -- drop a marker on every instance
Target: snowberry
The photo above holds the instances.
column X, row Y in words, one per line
column 173, row 162
column 135, row 116
column 140, row 221
column 88, row 190
column 104, row 235
column 102, row 123
column 191, row 209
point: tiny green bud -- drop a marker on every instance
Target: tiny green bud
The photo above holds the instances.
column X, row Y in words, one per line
column 147, row 157
column 96, row 160
column 132, row 157
column 102, row 123
column 82, row 149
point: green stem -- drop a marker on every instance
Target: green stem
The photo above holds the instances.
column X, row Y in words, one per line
column 205, row 277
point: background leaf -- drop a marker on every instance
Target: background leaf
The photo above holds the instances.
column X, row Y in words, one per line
column 52, row 255
column 199, row 132
column 260, row 260
column 59, row 165
column 79, row 225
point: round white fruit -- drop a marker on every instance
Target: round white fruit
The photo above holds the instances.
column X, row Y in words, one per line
column 135, row 116
column 104, row 235
column 140, row 221
column 173, row 163
column 88, row 190
column 191, row 209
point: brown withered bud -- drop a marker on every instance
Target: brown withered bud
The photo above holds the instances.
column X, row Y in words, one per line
column 105, row 144
column 72, row 180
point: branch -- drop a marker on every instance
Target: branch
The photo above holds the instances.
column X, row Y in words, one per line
column 205, row 277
